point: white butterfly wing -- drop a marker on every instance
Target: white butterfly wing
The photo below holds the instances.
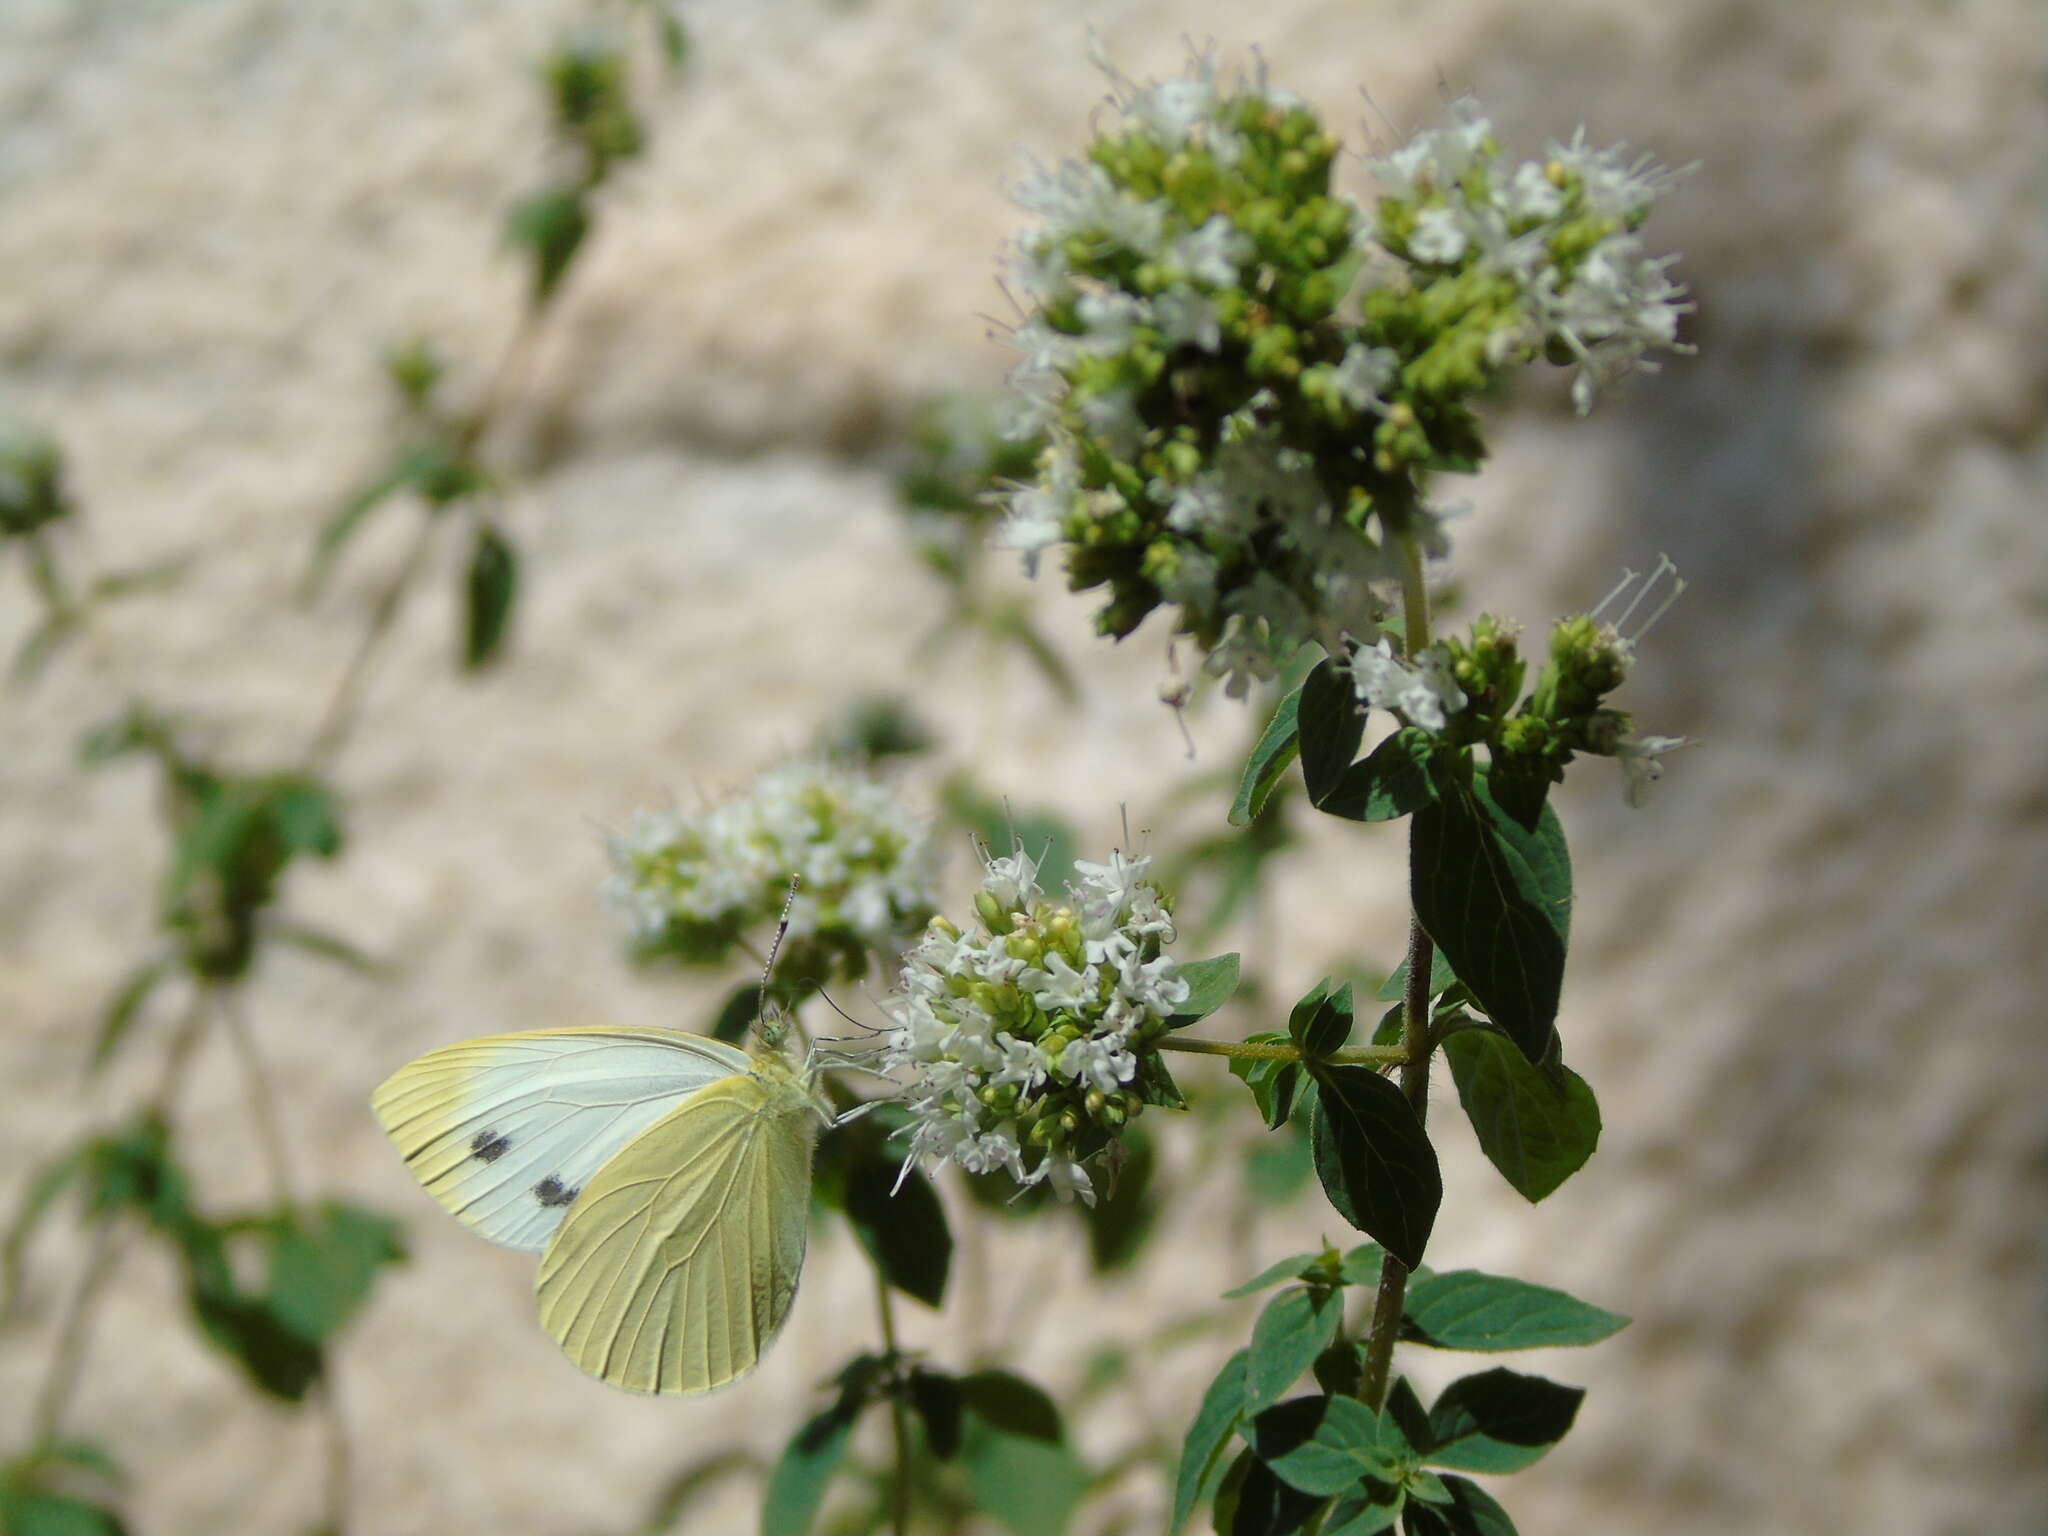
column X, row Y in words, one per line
column 680, row 1261
column 506, row 1131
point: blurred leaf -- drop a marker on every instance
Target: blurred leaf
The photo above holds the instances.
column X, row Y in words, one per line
column 1277, row 1168
column 322, row 1268
column 125, row 1009
column 1122, row 1216
column 1029, row 1485
column 1007, row 1402
column 1471, row 1511
column 1465, row 1309
column 937, row 1399
column 551, row 225
column 27, row 1513
column 796, row 1485
column 1277, row 746
column 1295, row 1327
column 303, row 811
column 1293, row 1267
column 1537, row 1124
column 1202, row 1462
column 44, row 1186
column 895, row 1213
column 1340, row 1369
column 1374, row 1158
column 1211, row 984
column 406, row 470
column 1255, row 1502
column 489, row 591
column 686, row 1486
column 1499, row 1421
column 328, row 946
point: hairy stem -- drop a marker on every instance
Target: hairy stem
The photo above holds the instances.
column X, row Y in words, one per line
column 1257, row 1050
column 1415, row 1041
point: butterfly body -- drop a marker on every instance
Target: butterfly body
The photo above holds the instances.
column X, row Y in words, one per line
column 664, row 1178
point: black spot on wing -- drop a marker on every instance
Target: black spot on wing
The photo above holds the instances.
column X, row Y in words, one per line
column 551, row 1191
column 489, row 1146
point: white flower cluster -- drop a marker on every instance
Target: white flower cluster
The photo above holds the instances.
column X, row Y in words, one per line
column 1025, row 1035
column 1426, row 693
column 1607, row 303
column 865, row 863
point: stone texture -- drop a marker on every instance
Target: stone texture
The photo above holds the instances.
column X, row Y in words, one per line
column 1805, row 982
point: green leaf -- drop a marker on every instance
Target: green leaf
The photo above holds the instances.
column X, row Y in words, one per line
column 125, row 1008
column 737, row 1013
column 1201, row 1454
column 1363, row 1515
column 1321, row 1445
column 322, row 1268
column 1121, row 1218
column 344, row 525
column 1321, row 1022
column 1007, row 1402
column 796, row 1485
column 1499, row 1421
column 1155, row 1085
column 1362, row 1264
column 274, row 1357
column 1211, row 984
column 675, row 42
column 936, row 1397
column 1278, row 746
column 1340, row 1369
column 1330, row 727
column 1404, row 1426
column 1374, row 1159
column 1496, row 897
column 1030, row 1486
column 1295, row 1327
column 1389, row 782
column 1470, row 1511
column 551, row 225
column 52, row 1514
column 902, row 1226
column 1274, row 1083
column 1254, row 1502
column 489, row 591
column 1536, row 1130
column 303, row 812
column 1465, row 1309
column 1441, row 979
column 1291, row 1268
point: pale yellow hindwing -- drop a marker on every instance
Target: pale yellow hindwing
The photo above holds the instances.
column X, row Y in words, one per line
column 679, row 1260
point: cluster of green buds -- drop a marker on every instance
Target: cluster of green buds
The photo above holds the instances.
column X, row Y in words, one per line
column 1029, row 1036
column 590, row 88
column 31, row 483
column 1247, row 383
column 691, row 885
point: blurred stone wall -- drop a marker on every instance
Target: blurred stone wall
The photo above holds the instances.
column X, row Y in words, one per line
column 1806, row 981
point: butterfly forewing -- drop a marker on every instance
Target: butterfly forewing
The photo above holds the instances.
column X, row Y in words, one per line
column 508, row 1130
column 680, row 1259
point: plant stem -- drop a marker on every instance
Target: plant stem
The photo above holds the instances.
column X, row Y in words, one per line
column 262, row 1100
column 899, row 1416
column 1393, row 1287
column 1255, row 1050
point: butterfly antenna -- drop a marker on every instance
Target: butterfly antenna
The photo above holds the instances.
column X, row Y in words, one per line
column 781, row 929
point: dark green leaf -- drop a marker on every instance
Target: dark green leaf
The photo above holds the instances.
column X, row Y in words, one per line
column 1470, row 1511
column 1208, row 1437
column 1295, row 1327
column 1122, row 1215
column 1155, row 1085
column 323, row 1267
column 1290, row 1268
column 1340, row 1369
column 1321, row 1445
column 1464, row 1309
column 123, row 1011
column 303, row 812
column 1499, row 1421
column 1496, row 897
column 1404, row 1426
column 1254, row 1502
column 44, row 1186
column 1005, row 1401
column 1274, row 1083
column 1362, row 1515
column 275, row 1358
column 1277, row 747
column 489, row 591
column 1538, row 1130
column 903, row 1227
column 1374, row 1159
column 1330, row 726
column 736, row 1015
column 937, row 1399
column 796, row 1486
column 52, row 1514
column 552, row 225
column 1389, row 782
column 1441, row 979
column 1030, row 1486
column 1211, row 984
column 1321, row 1022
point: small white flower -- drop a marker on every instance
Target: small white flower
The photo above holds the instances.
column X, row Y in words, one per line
column 1363, row 373
column 1439, row 235
column 1641, row 766
column 1427, row 694
column 1213, row 253
column 1068, row 1179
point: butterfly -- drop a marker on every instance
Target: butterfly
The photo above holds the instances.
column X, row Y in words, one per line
column 663, row 1177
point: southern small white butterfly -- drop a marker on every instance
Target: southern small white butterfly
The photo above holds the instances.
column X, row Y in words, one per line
column 663, row 1177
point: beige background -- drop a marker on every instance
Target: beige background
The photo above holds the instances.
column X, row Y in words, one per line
column 1806, row 982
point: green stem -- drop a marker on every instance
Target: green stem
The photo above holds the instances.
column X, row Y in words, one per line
column 1258, row 1050
column 899, row 1416
column 1415, row 1038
